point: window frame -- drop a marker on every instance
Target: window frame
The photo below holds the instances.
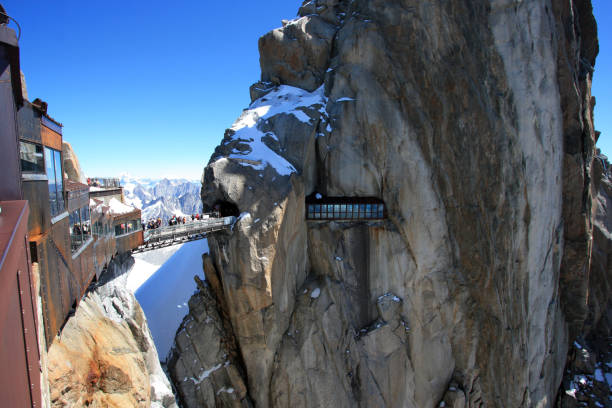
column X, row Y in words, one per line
column 42, row 170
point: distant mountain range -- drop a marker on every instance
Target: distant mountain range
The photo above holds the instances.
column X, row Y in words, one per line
column 162, row 198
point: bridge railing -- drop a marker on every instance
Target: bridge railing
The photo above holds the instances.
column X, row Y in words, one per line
column 191, row 228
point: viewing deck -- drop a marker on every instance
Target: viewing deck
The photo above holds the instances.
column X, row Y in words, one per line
column 319, row 208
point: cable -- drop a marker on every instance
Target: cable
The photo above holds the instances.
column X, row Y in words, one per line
column 15, row 21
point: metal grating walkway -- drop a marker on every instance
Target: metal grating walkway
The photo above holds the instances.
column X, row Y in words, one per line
column 176, row 234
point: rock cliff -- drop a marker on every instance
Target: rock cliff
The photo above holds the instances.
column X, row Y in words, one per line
column 72, row 168
column 588, row 374
column 472, row 121
column 105, row 356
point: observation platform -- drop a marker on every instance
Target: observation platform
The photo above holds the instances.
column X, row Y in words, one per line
column 320, row 208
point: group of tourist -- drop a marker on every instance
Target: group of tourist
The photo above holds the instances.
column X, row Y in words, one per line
column 174, row 220
column 177, row 220
column 152, row 224
column 93, row 183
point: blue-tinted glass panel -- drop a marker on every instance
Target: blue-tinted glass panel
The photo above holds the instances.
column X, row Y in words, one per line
column 59, row 181
column 50, row 171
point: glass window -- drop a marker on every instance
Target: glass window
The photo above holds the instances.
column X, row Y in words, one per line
column 76, row 238
column 85, row 223
column 132, row 226
column 50, row 170
column 53, row 169
column 97, row 229
column 59, row 182
column 32, row 159
column 119, row 229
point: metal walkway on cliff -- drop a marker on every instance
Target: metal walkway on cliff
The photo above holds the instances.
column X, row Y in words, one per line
column 177, row 234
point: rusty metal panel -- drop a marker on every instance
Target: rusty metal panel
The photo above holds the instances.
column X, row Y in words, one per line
column 37, row 194
column 83, row 269
column 59, row 290
column 10, row 177
column 29, row 123
column 126, row 243
column 77, row 200
column 19, row 354
column 50, row 138
column 51, row 124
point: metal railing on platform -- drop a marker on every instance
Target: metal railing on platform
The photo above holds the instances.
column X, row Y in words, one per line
column 104, row 182
column 187, row 229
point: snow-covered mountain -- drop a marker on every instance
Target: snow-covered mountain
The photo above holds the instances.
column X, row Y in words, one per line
column 162, row 198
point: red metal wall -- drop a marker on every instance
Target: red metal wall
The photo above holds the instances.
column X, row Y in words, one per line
column 19, row 353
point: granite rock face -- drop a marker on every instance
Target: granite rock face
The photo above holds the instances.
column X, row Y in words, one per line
column 599, row 321
column 204, row 363
column 588, row 374
column 105, row 356
column 72, row 168
column 464, row 117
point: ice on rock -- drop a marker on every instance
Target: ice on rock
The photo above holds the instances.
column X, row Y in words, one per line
column 284, row 99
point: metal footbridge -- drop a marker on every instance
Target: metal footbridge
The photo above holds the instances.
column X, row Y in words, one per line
column 177, row 234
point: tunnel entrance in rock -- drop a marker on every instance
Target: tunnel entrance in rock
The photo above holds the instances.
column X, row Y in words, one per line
column 226, row 208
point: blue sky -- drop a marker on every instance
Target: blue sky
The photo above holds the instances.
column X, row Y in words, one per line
column 148, row 88
column 602, row 78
